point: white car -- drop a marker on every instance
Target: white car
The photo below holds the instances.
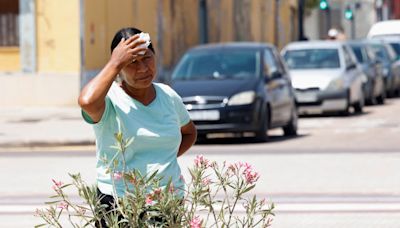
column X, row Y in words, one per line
column 385, row 29
column 325, row 76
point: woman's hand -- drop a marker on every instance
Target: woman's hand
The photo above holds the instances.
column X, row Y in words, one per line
column 126, row 51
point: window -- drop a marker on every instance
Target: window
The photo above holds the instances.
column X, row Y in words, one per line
column 313, row 58
column 218, row 64
column 9, row 33
column 270, row 64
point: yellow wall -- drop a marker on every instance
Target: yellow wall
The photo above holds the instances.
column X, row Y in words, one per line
column 58, row 34
column 9, row 59
column 180, row 25
column 102, row 18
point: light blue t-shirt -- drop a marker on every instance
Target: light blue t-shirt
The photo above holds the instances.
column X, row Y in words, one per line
column 156, row 132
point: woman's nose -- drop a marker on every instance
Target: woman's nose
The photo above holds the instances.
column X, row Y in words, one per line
column 141, row 66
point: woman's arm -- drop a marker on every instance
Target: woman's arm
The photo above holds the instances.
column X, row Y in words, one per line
column 189, row 135
column 92, row 96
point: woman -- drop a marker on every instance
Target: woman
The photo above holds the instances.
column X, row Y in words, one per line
column 150, row 112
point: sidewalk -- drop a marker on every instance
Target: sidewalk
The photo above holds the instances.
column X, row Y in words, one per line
column 43, row 127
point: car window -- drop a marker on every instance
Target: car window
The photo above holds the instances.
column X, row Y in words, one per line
column 396, row 48
column 312, row 58
column 349, row 61
column 270, row 64
column 391, row 52
column 381, row 52
column 360, row 53
column 218, row 64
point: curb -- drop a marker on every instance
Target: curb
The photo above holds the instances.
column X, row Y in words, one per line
column 46, row 145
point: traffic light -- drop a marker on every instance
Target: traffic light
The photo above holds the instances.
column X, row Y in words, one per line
column 348, row 13
column 323, row 4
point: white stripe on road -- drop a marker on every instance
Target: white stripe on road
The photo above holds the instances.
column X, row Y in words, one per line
column 279, row 207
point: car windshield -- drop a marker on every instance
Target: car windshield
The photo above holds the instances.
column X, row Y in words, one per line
column 312, row 59
column 359, row 53
column 218, row 64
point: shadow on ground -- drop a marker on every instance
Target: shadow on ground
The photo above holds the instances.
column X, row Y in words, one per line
column 248, row 140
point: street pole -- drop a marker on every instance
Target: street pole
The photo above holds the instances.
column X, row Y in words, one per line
column 328, row 19
column 301, row 19
column 203, row 22
column 353, row 29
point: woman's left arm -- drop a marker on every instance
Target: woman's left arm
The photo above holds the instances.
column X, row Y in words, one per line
column 189, row 135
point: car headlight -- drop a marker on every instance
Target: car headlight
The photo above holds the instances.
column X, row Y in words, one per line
column 336, row 84
column 242, row 98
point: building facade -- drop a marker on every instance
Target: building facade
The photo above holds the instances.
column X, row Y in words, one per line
column 50, row 48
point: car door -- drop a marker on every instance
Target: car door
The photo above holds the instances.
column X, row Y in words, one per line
column 278, row 88
column 353, row 75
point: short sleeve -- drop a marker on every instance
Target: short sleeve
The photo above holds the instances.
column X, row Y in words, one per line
column 105, row 115
column 181, row 110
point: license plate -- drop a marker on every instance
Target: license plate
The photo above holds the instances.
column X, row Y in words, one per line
column 204, row 115
column 306, row 97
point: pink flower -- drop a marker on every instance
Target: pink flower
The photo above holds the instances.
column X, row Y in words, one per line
column 63, row 205
column 57, row 183
column 247, row 166
column 117, row 176
column 206, row 181
column 157, row 191
column 251, row 176
column 149, row 199
column 200, row 161
column 57, row 186
column 195, row 223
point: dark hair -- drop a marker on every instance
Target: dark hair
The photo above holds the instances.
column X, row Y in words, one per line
column 126, row 33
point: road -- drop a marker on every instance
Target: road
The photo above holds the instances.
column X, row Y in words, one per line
column 339, row 171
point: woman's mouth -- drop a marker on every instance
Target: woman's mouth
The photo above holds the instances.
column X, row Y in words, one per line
column 145, row 77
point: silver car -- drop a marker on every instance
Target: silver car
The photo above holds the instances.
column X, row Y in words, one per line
column 325, row 76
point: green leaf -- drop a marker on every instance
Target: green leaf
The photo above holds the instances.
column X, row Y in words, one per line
column 114, row 147
column 129, row 142
column 248, row 189
column 53, row 202
column 66, row 185
column 40, row 225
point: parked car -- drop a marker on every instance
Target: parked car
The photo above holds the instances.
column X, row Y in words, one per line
column 391, row 65
column 325, row 76
column 389, row 28
column 374, row 86
column 236, row 88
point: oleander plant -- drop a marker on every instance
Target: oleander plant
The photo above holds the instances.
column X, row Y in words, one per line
column 217, row 195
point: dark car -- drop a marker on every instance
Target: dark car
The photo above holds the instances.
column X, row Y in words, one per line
column 236, row 88
column 391, row 66
column 374, row 85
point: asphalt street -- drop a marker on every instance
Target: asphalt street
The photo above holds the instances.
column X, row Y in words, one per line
column 339, row 171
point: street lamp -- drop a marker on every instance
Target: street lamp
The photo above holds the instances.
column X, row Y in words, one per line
column 349, row 15
column 324, row 6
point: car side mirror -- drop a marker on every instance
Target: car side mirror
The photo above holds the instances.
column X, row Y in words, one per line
column 352, row 66
column 276, row 75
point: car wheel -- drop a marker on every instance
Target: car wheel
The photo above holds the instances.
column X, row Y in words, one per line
column 291, row 128
column 262, row 133
column 358, row 107
column 381, row 98
column 346, row 110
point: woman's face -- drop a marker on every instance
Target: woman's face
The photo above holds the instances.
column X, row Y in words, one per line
column 140, row 73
